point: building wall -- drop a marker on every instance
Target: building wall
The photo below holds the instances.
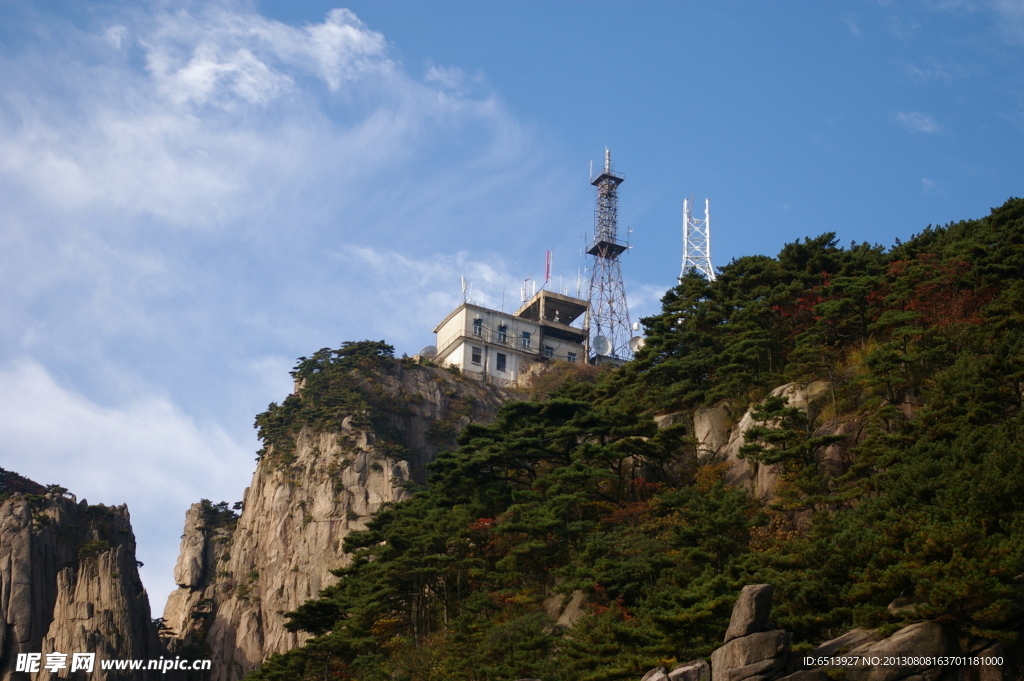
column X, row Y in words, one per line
column 456, row 339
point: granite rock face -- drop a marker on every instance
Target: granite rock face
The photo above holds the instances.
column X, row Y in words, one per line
column 751, row 612
column 751, row 656
column 751, row 652
column 719, row 438
column 698, row 670
column 69, row 583
column 236, row 580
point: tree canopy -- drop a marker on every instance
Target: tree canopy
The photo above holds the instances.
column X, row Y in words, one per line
column 921, row 345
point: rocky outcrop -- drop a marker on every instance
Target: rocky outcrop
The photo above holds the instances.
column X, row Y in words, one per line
column 698, row 670
column 69, row 583
column 751, row 651
column 761, row 479
column 923, row 651
column 719, row 435
column 238, row 578
column 750, row 614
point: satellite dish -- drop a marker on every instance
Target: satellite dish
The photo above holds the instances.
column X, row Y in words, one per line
column 636, row 342
column 602, row 346
column 430, row 352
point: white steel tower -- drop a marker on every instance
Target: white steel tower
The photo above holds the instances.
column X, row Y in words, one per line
column 697, row 241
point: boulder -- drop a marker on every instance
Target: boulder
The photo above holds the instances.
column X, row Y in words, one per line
column 848, row 641
column 750, row 650
column 698, row 670
column 656, row 674
column 922, row 640
column 987, row 672
column 750, row 614
column 753, row 672
column 711, row 429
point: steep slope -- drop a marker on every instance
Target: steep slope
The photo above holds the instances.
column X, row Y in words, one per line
column 842, row 423
column 68, row 579
column 327, row 468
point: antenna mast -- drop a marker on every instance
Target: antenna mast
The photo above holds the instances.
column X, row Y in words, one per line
column 697, row 241
column 609, row 315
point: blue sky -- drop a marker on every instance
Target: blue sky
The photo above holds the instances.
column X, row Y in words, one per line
column 192, row 195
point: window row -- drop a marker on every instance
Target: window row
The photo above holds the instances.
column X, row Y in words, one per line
column 502, row 334
column 500, row 360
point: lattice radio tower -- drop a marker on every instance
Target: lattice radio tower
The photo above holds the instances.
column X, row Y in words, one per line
column 608, row 327
column 697, row 241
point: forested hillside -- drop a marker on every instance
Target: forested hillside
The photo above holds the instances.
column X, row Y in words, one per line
column 922, row 344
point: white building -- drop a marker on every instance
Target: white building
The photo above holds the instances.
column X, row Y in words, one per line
column 498, row 345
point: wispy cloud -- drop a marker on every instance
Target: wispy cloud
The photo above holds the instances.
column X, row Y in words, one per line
column 1008, row 15
column 1011, row 19
column 903, row 28
column 145, row 453
column 917, row 121
column 172, row 186
column 934, row 70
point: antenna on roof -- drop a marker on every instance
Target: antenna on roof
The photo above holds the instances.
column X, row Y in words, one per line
column 463, row 277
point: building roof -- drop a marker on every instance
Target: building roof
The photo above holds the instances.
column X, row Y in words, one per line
column 553, row 307
column 472, row 306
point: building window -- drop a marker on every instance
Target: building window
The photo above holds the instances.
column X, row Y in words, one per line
column 478, row 327
column 526, row 339
column 501, row 361
column 572, row 356
column 502, row 334
column 476, row 356
column 549, row 351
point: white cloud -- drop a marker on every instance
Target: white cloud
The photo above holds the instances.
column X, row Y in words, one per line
column 116, row 36
column 1010, row 15
column 935, row 70
column 145, row 453
column 222, row 54
column 172, row 187
column 419, row 291
column 918, row 122
column 146, row 141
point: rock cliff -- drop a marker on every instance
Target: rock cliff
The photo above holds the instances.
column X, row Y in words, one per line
column 720, row 432
column 238, row 576
column 68, row 580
